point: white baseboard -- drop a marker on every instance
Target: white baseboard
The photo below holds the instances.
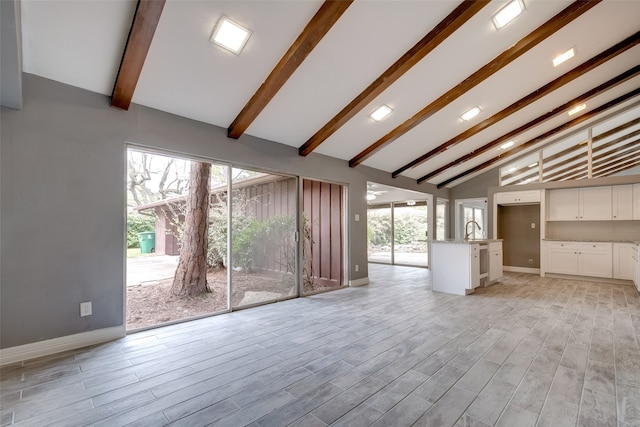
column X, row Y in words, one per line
column 359, row 282
column 521, row 269
column 56, row 345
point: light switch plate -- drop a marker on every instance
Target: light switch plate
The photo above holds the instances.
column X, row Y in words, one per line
column 533, row 225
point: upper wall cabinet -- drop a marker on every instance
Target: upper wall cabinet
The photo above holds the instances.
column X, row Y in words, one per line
column 636, row 201
column 518, row 197
column 580, row 204
column 622, row 202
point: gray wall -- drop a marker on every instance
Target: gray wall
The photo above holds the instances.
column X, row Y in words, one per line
column 521, row 243
column 62, row 201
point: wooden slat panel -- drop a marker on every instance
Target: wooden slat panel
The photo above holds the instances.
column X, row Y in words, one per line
column 542, row 137
column 465, row 11
column 563, row 18
column 145, row 22
column 316, row 29
column 336, row 233
column 585, row 67
column 325, row 230
column 537, row 121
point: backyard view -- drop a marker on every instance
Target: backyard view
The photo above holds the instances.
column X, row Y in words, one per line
column 401, row 233
column 177, row 238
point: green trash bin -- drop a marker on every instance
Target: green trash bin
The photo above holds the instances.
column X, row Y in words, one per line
column 147, row 242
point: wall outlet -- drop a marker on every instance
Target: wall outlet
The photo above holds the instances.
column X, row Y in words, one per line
column 530, row 261
column 85, row 309
column 357, row 268
column 533, row 225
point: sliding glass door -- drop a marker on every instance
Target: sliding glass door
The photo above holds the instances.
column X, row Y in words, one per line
column 264, row 246
column 397, row 233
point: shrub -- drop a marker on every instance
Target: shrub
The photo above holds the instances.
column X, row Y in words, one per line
column 137, row 223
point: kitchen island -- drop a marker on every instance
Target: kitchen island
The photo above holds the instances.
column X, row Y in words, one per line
column 460, row 266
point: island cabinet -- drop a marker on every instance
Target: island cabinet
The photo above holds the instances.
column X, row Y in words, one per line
column 460, row 266
column 594, row 259
column 495, row 261
column 580, row 204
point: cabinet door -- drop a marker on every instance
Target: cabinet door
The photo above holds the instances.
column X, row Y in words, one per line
column 636, row 201
column 474, row 264
column 595, row 260
column 495, row 265
column 624, row 261
column 622, row 198
column 564, row 205
column 595, row 203
column 516, row 197
column 562, row 258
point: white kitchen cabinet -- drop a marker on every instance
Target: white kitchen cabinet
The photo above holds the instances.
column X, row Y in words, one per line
column 455, row 267
column 625, row 261
column 517, row 197
column 595, row 259
column 622, row 202
column 495, row 261
column 636, row 201
column 635, row 256
column 580, row 204
column 474, row 263
column 562, row 257
column 579, row 258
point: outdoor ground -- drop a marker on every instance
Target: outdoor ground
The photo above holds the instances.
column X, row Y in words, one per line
column 152, row 302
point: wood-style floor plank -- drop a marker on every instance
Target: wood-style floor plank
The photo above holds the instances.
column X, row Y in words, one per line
column 526, row 351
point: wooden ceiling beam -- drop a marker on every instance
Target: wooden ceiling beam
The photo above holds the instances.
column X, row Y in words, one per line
column 145, row 22
column 568, row 125
column 563, row 18
column 537, row 94
column 621, row 78
column 316, row 29
column 460, row 15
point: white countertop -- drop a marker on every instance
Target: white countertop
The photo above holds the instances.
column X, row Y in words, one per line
column 467, row 242
column 633, row 242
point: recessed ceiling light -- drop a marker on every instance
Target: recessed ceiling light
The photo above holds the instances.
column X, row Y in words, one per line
column 507, row 145
column 577, row 109
column 508, row 13
column 533, row 165
column 230, row 35
column 470, row 114
column 381, row 112
column 564, row 57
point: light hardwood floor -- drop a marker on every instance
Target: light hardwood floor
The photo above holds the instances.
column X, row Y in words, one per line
column 527, row 351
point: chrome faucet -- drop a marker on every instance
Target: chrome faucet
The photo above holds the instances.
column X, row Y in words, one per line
column 467, row 233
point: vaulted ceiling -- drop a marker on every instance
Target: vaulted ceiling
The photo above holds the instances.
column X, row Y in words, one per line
column 313, row 71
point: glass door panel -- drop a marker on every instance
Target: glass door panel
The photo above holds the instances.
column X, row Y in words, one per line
column 322, row 236
column 410, row 224
column 264, row 248
column 379, row 233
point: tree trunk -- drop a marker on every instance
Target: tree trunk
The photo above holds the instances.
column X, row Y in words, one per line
column 191, row 273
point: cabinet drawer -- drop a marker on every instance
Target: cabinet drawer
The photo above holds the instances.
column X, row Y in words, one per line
column 495, row 247
column 596, row 246
column 562, row 245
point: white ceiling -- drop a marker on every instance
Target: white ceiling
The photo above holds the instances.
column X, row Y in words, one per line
column 81, row 44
